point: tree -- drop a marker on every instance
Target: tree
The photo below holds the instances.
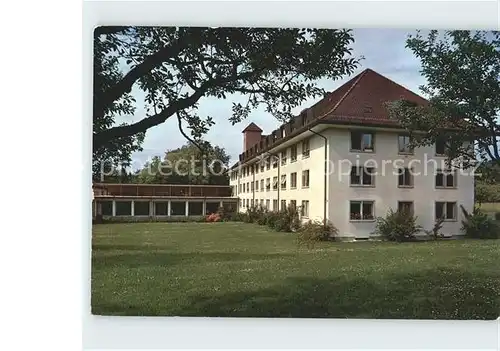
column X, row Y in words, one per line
column 462, row 70
column 188, row 165
column 176, row 67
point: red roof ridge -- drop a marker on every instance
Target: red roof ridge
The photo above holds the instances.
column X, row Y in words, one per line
column 398, row 84
column 357, row 79
column 252, row 127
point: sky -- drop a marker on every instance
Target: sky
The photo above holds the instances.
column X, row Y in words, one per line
column 383, row 51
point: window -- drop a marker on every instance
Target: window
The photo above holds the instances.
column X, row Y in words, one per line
column 275, row 161
column 362, row 210
column 251, row 186
column 405, row 178
column 241, row 203
column 405, row 206
column 362, row 141
column 440, row 147
column 261, row 166
column 275, row 183
column 256, row 185
column 248, row 187
column 283, row 158
column 304, row 210
column 305, row 179
column 445, row 179
column 262, row 185
column 404, row 144
column 362, row 176
column 275, row 205
column 256, row 169
column 446, row 210
column 305, row 148
column 267, row 204
column 268, row 184
column 283, row 181
column 261, row 202
column 283, row 205
column 268, row 163
column 251, row 202
column 293, row 204
column 293, row 153
column 293, row 180
column 239, row 188
column 248, row 203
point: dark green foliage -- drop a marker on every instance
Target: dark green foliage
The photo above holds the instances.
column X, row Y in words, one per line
column 397, row 226
column 177, row 67
column 435, row 232
column 478, row 225
column 461, row 69
column 486, row 192
column 287, row 220
column 312, row 232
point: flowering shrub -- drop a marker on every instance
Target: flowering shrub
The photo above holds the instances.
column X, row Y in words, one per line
column 213, row 217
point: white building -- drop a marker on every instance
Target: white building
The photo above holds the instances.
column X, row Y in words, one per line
column 349, row 128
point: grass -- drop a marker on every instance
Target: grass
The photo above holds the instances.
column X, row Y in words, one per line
column 245, row 270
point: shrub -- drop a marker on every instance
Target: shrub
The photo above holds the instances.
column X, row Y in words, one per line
column 312, row 232
column 435, row 232
column 287, row 220
column 255, row 213
column 478, row 225
column 238, row 217
column 397, row 226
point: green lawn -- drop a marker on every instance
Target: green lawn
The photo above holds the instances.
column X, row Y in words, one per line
column 236, row 269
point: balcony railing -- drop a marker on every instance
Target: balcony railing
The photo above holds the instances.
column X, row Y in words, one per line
column 171, row 190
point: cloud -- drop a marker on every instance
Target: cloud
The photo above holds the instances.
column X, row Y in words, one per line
column 383, row 50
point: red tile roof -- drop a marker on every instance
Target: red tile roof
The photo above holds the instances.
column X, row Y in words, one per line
column 363, row 98
column 359, row 101
column 252, row 127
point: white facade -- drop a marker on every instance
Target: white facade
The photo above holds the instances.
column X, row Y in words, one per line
column 343, row 198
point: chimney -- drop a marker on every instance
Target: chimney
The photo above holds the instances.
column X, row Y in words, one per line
column 251, row 136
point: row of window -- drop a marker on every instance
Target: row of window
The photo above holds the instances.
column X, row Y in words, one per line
column 361, row 141
column 364, row 210
column 272, row 161
column 249, row 203
column 365, row 176
column 249, row 186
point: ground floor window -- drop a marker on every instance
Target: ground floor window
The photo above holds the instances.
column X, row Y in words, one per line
column 195, row 208
column 161, row 208
column 293, row 204
column 123, row 208
column 261, row 202
column 361, row 210
column 178, row 208
column 446, row 210
column 275, row 205
column 283, row 205
column 212, row 207
column 305, row 208
column 106, row 208
column 141, row 208
column 405, row 206
column 268, row 203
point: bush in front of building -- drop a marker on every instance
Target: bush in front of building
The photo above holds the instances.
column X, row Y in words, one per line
column 312, row 232
column 286, row 220
column 479, row 225
column 397, row 226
